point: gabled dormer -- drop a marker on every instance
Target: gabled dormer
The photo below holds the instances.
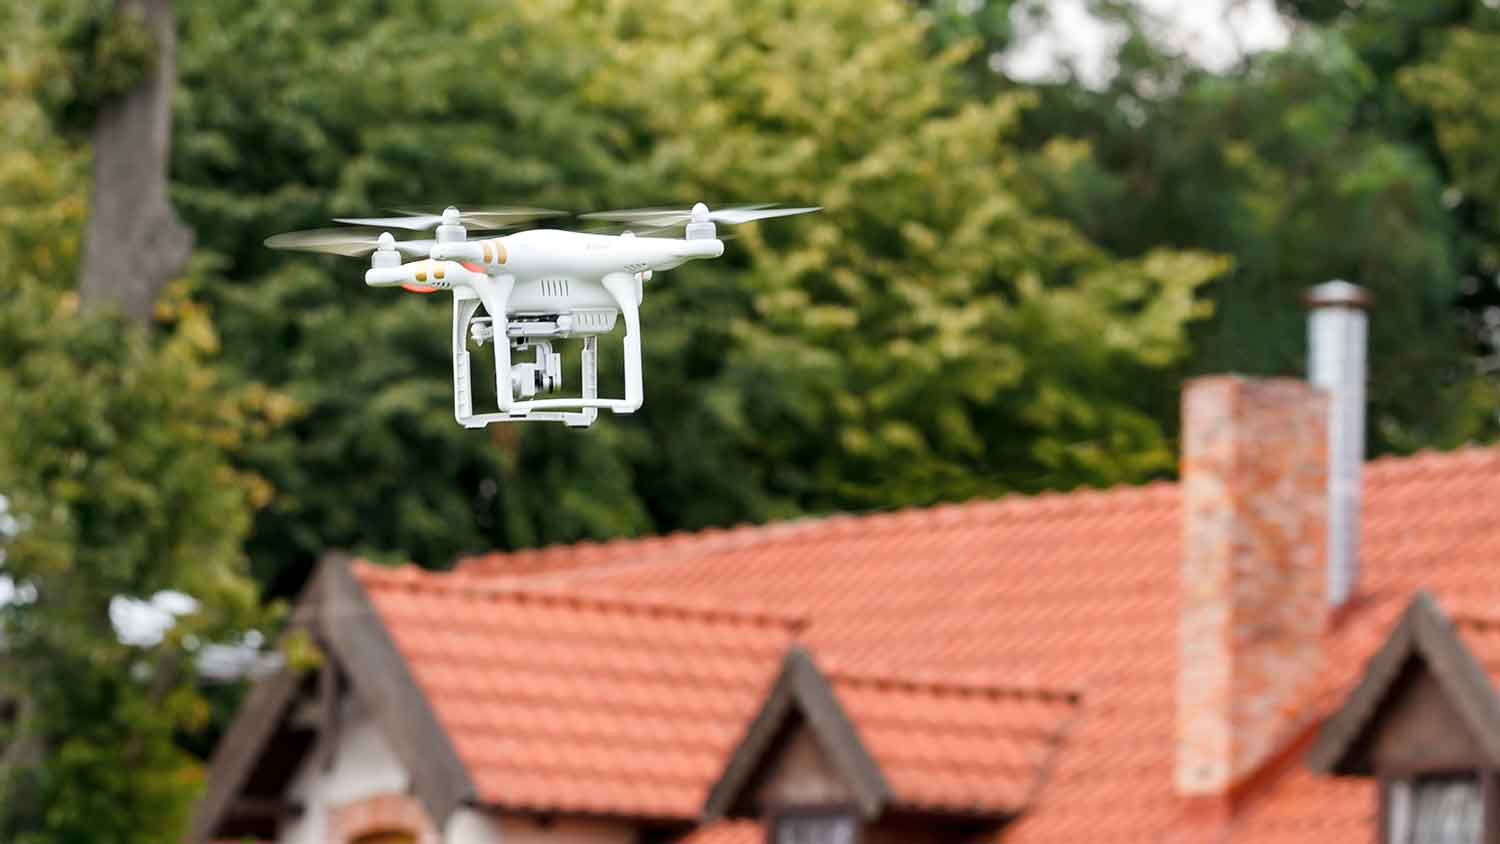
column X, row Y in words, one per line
column 350, row 753
column 1424, row 725
column 840, row 758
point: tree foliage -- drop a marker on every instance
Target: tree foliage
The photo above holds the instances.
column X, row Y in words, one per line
column 1305, row 164
column 116, row 470
column 1004, row 290
column 380, row 104
column 931, row 336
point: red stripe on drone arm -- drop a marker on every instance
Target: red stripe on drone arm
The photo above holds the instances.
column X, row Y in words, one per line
column 418, row 288
column 471, row 266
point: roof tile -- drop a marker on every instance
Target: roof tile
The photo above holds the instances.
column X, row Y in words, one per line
column 1073, row 591
column 569, row 702
column 953, row 746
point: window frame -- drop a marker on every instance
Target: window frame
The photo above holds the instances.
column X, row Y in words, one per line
column 1489, row 796
column 820, row 810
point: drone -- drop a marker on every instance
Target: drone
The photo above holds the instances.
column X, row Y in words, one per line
column 536, row 287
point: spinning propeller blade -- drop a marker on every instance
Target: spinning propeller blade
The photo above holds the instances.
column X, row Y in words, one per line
column 483, row 218
column 639, row 230
column 667, row 217
column 735, row 216
column 349, row 242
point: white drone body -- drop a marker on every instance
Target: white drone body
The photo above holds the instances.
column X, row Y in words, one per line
column 539, row 286
column 535, row 287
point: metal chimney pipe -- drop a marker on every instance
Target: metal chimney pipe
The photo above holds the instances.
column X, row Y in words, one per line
column 1336, row 337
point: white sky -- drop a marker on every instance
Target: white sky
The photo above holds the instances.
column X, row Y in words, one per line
column 1215, row 33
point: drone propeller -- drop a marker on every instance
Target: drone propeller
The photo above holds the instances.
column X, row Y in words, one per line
column 484, row 218
column 348, row 242
column 609, row 228
column 700, row 213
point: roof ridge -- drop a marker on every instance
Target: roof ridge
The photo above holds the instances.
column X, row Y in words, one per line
column 669, row 547
column 1463, row 452
column 413, row 577
column 692, row 543
column 962, row 686
column 1466, row 616
column 745, row 534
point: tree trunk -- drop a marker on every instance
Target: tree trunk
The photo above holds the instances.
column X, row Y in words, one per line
column 135, row 242
column 24, row 748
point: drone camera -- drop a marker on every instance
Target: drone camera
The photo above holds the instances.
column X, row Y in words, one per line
column 542, row 375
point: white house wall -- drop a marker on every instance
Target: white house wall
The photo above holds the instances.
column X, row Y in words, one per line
column 471, row 826
column 363, row 766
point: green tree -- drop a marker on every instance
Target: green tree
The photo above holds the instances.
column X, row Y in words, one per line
column 1299, row 165
column 333, row 110
column 1454, row 84
column 929, row 337
column 115, row 468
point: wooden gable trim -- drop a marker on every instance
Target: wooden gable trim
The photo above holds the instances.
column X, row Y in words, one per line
column 378, row 674
column 330, row 695
column 359, row 657
column 802, row 689
column 1424, row 633
column 237, row 752
column 757, row 741
column 240, row 748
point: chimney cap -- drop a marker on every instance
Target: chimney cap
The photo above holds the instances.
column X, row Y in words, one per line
column 1337, row 294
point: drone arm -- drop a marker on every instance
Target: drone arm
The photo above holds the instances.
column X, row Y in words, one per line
column 438, row 274
column 489, row 252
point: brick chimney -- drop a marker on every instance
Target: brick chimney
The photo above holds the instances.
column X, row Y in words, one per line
column 1253, row 607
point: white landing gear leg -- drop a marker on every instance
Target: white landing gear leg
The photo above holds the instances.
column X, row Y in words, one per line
column 625, row 289
column 494, row 292
column 465, row 303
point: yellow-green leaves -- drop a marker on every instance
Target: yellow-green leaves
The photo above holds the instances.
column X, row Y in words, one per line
column 962, row 341
column 118, row 455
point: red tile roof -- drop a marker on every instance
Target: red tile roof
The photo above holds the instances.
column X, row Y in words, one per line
column 1073, row 591
column 1479, row 628
column 575, row 703
column 960, row 748
column 727, row 832
column 1299, row 803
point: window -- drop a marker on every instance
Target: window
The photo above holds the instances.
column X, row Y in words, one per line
column 814, row 828
column 1434, row 810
